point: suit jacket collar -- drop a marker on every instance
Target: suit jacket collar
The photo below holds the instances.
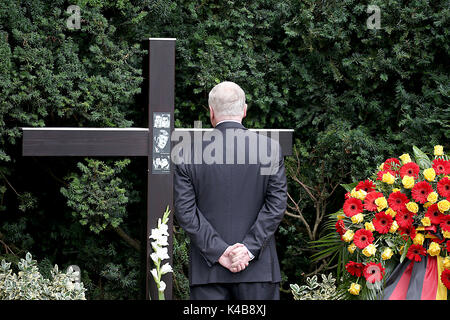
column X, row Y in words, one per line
column 230, row 124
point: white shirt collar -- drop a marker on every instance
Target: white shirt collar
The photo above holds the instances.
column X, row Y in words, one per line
column 228, row 121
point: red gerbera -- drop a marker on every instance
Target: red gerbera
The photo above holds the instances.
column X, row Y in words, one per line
column 443, row 187
column 397, row 201
column 340, row 227
column 373, row 272
column 382, row 222
column 365, row 185
column 448, row 246
column 420, row 191
column 363, row 238
column 408, row 233
column 434, row 214
column 354, row 268
column 369, row 200
column 415, row 252
column 404, row 219
column 410, row 169
column 445, row 222
column 441, row 166
column 445, row 278
column 352, row 206
column 412, row 232
column 391, row 164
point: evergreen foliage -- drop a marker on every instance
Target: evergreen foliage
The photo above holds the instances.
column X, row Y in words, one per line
column 354, row 97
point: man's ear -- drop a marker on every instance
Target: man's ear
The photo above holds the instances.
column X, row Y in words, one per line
column 211, row 115
column 245, row 111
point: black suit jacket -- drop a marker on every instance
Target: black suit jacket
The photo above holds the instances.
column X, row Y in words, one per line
column 221, row 204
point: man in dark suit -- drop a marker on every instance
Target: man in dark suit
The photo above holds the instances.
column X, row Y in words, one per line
column 230, row 196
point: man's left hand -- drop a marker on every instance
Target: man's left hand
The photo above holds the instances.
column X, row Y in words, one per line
column 239, row 258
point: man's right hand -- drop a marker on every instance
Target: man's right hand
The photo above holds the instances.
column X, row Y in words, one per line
column 227, row 261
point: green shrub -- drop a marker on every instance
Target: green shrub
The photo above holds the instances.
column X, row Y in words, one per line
column 97, row 196
column 313, row 290
column 29, row 284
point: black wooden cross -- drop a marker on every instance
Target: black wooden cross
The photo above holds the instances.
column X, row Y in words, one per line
column 60, row 141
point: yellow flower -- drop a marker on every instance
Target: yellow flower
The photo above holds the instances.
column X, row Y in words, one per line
column 357, row 218
column 360, row 194
column 426, row 222
column 391, row 212
column 446, row 262
column 438, row 150
column 395, row 189
column 432, row 197
column 354, row 289
column 419, row 239
column 351, row 248
column 429, row 174
column 369, row 226
column 387, row 254
column 434, row 249
column 381, row 167
column 446, row 234
column 405, row 158
column 408, row 182
column 443, row 205
column 394, row 227
column 388, row 178
column 412, row 206
column 381, row 203
column 369, row 250
column 348, row 236
column 427, row 204
column 341, row 216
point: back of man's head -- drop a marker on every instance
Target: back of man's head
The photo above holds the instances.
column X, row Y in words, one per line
column 227, row 99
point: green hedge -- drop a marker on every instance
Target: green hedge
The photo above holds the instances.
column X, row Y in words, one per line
column 354, row 96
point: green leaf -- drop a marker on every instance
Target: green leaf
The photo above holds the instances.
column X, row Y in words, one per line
column 349, row 186
column 405, row 250
column 421, row 158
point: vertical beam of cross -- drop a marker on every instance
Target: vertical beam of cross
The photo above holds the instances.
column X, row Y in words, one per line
column 161, row 100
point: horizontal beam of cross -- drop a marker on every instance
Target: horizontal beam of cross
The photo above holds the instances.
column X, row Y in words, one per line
column 130, row 142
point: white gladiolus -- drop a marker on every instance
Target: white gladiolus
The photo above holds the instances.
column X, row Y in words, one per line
column 164, row 228
column 160, row 241
column 166, row 268
column 160, row 253
column 162, row 286
column 154, row 273
column 154, row 257
column 158, row 234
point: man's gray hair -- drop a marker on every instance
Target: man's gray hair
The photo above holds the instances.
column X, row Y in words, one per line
column 227, row 99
